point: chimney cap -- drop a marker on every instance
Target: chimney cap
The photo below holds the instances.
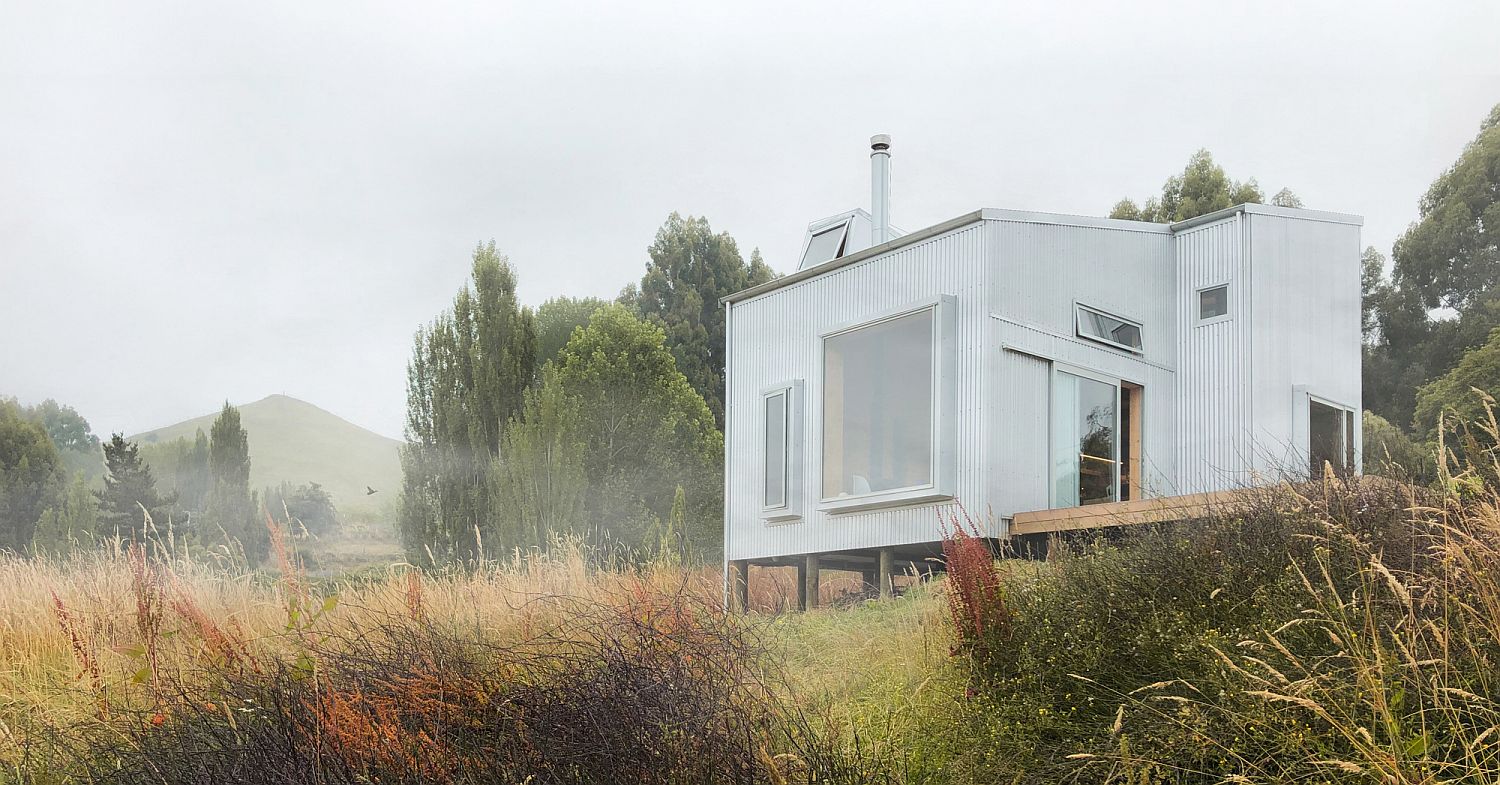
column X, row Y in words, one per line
column 880, row 142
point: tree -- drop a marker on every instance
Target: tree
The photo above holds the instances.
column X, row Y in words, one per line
column 73, row 522
column 1453, row 394
column 1389, row 452
column 1449, row 258
column 309, row 507
column 1201, row 188
column 556, row 320
column 129, row 489
column 1285, row 198
column 31, row 475
column 643, row 431
column 76, row 443
column 467, row 378
column 539, row 480
column 691, row 270
column 1373, row 291
column 194, row 477
column 230, row 504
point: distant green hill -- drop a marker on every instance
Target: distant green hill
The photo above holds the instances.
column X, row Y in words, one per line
column 294, row 441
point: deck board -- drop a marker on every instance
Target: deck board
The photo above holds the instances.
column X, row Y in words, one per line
column 1096, row 516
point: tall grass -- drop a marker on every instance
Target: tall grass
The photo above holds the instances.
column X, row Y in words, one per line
column 120, row 668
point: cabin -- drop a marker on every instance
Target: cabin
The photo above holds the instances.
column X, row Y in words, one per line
column 1028, row 366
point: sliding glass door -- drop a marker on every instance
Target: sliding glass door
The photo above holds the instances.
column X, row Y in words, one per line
column 1085, row 440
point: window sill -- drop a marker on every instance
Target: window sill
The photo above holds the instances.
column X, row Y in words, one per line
column 780, row 517
column 881, row 501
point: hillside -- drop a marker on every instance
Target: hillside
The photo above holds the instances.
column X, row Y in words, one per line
column 294, row 441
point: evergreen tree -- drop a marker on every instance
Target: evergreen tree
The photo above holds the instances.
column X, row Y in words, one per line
column 31, row 476
column 468, row 376
column 129, row 493
column 230, row 504
column 691, row 270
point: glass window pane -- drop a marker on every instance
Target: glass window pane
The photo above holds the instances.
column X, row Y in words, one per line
column 775, row 489
column 1349, row 440
column 878, row 407
column 824, row 245
column 1325, row 437
column 1092, row 324
column 1084, row 428
column 1213, row 302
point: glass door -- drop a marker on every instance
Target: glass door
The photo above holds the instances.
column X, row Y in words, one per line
column 1085, row 440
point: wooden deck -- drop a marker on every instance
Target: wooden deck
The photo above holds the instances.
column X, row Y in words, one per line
column 1097, row 516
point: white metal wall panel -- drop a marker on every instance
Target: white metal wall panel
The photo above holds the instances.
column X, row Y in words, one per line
column 1040, row 272
column 775, row 337
column 1214, row 445
column 1306, row 304
column 1022, row 465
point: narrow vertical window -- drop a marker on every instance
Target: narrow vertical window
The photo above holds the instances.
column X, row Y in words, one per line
column 781, row 452
column 774, row 492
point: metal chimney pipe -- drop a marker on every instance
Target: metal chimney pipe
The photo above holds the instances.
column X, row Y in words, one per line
column 880, row 187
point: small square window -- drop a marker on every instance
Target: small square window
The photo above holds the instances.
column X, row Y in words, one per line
column 1213, row 302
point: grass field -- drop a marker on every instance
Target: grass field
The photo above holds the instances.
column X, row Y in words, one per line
column 1341, row 632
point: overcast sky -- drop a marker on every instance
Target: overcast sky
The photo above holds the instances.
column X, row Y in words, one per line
column 210, row 201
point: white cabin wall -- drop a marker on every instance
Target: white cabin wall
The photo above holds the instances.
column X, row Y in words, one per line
column 1305, row 303
column 1040, row 270
column 774, row 338
column 1214, row 444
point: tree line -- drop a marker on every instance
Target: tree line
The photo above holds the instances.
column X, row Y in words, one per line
column 61, row 489
column 596, row 419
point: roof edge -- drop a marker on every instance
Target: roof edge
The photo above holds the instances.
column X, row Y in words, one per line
column 1268, row 209
column 858, row 256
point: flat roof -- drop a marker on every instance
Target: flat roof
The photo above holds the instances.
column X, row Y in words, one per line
column 1030, row 216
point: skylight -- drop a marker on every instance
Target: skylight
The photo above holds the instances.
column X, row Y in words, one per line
column 826, row 244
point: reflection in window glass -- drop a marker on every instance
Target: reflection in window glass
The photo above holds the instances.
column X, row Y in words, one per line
column 1084, row 425
column 1110, row 329
column 1213, row 302
column 878, row 407
column 825, row 245
column 775, row 488
column 1325, row 437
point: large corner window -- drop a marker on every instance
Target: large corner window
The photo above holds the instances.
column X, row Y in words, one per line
column 1330, row 437
column 882, row 403
column 781, row 470
column 825, row 244
column 1097, row 439
column 1118, row 332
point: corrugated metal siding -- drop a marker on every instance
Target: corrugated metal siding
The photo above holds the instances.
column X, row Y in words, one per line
column 775, row 338
column 1214, row 445
column 1040, row 271
column 1306, row 276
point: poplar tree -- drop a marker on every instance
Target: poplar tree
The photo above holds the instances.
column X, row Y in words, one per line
column 468, row 375
column 230, row 503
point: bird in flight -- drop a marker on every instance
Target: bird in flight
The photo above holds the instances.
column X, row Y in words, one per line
column 370, row 491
